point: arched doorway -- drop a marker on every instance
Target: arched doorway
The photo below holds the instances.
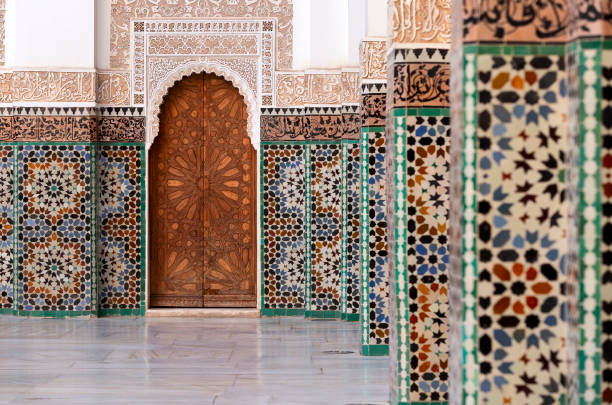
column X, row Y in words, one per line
column 202, row 196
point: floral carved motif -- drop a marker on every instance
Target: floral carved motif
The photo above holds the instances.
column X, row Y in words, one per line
column 123, row 11
column 113, row 88
column 372, row 60
column 421, row 21
column 203, row 44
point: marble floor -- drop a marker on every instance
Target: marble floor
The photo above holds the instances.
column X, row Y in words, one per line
column 187, row 361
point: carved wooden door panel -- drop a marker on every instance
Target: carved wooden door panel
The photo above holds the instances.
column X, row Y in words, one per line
column 202, row 199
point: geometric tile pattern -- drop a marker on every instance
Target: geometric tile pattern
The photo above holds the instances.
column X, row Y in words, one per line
column 427, row 257
column 7, row 226
column 351, row 228
column 120, row 227
column 325, row 228
column 375, row 259
column 54, row 252
column 520, row 230
column 606, row 227
column 283, row 227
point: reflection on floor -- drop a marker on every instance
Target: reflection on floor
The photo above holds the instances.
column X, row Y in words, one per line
column 185, row 361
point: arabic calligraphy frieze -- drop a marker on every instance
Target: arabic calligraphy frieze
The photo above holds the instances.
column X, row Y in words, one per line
column 282, row 124
column 351, row 122
column 421, row 85
column 323, row 123
column 515, row 20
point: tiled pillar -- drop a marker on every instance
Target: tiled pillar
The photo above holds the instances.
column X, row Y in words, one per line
column 512, row 298
column 589, row 58
column 418, row 157
column 324, row 213
column 283, row 211
column 374, row 245
column 351, row 214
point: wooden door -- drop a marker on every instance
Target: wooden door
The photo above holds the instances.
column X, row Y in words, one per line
column 202, row 199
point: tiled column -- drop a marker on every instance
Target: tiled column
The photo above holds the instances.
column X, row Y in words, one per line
column 324, row 223
column 374, row 245
column 512, row 299
column 283, row 212
column 590, row 130
column 418, row 156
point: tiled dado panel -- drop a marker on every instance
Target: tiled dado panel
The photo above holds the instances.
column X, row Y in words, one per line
column 514, row 227
column 283, row 228
column 121, row 228
column 310, row 212
column 55, row 230
column 324, row 273
column 374, row 227
column 64, row 247
column 7, row 230
column 350, row 288
column 418, row 161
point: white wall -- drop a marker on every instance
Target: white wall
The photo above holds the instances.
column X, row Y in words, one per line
column 376, row 18
column 53, row 34
column 102, row 33
column 301, row 34
column 357, row 21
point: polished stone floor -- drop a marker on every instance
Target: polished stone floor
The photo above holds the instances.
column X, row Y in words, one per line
column 187, row 361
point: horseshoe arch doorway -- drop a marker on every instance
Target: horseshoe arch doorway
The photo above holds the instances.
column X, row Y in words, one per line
column 202, row 199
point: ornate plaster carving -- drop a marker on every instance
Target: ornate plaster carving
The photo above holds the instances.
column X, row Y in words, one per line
column 73, row 87
column 290, row 89
column 166, row 41
column 123, row 11
column 246, row 67
column 420, row 21
column 372, row 60
column 113, row 88
column 158, row 94
column 203, row 44
column 350, row 87
column 324, row 88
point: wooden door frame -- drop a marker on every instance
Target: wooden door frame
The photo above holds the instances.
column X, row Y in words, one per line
column 152, row 122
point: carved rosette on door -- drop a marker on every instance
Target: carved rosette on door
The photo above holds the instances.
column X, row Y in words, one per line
column 203, row 213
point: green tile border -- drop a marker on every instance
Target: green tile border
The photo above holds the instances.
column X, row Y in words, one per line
column 375, row 350
column 350, row 317
column 57, row 314
column 323, row 314
column 274, row 312
column 515, row 49
column 121, row 312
